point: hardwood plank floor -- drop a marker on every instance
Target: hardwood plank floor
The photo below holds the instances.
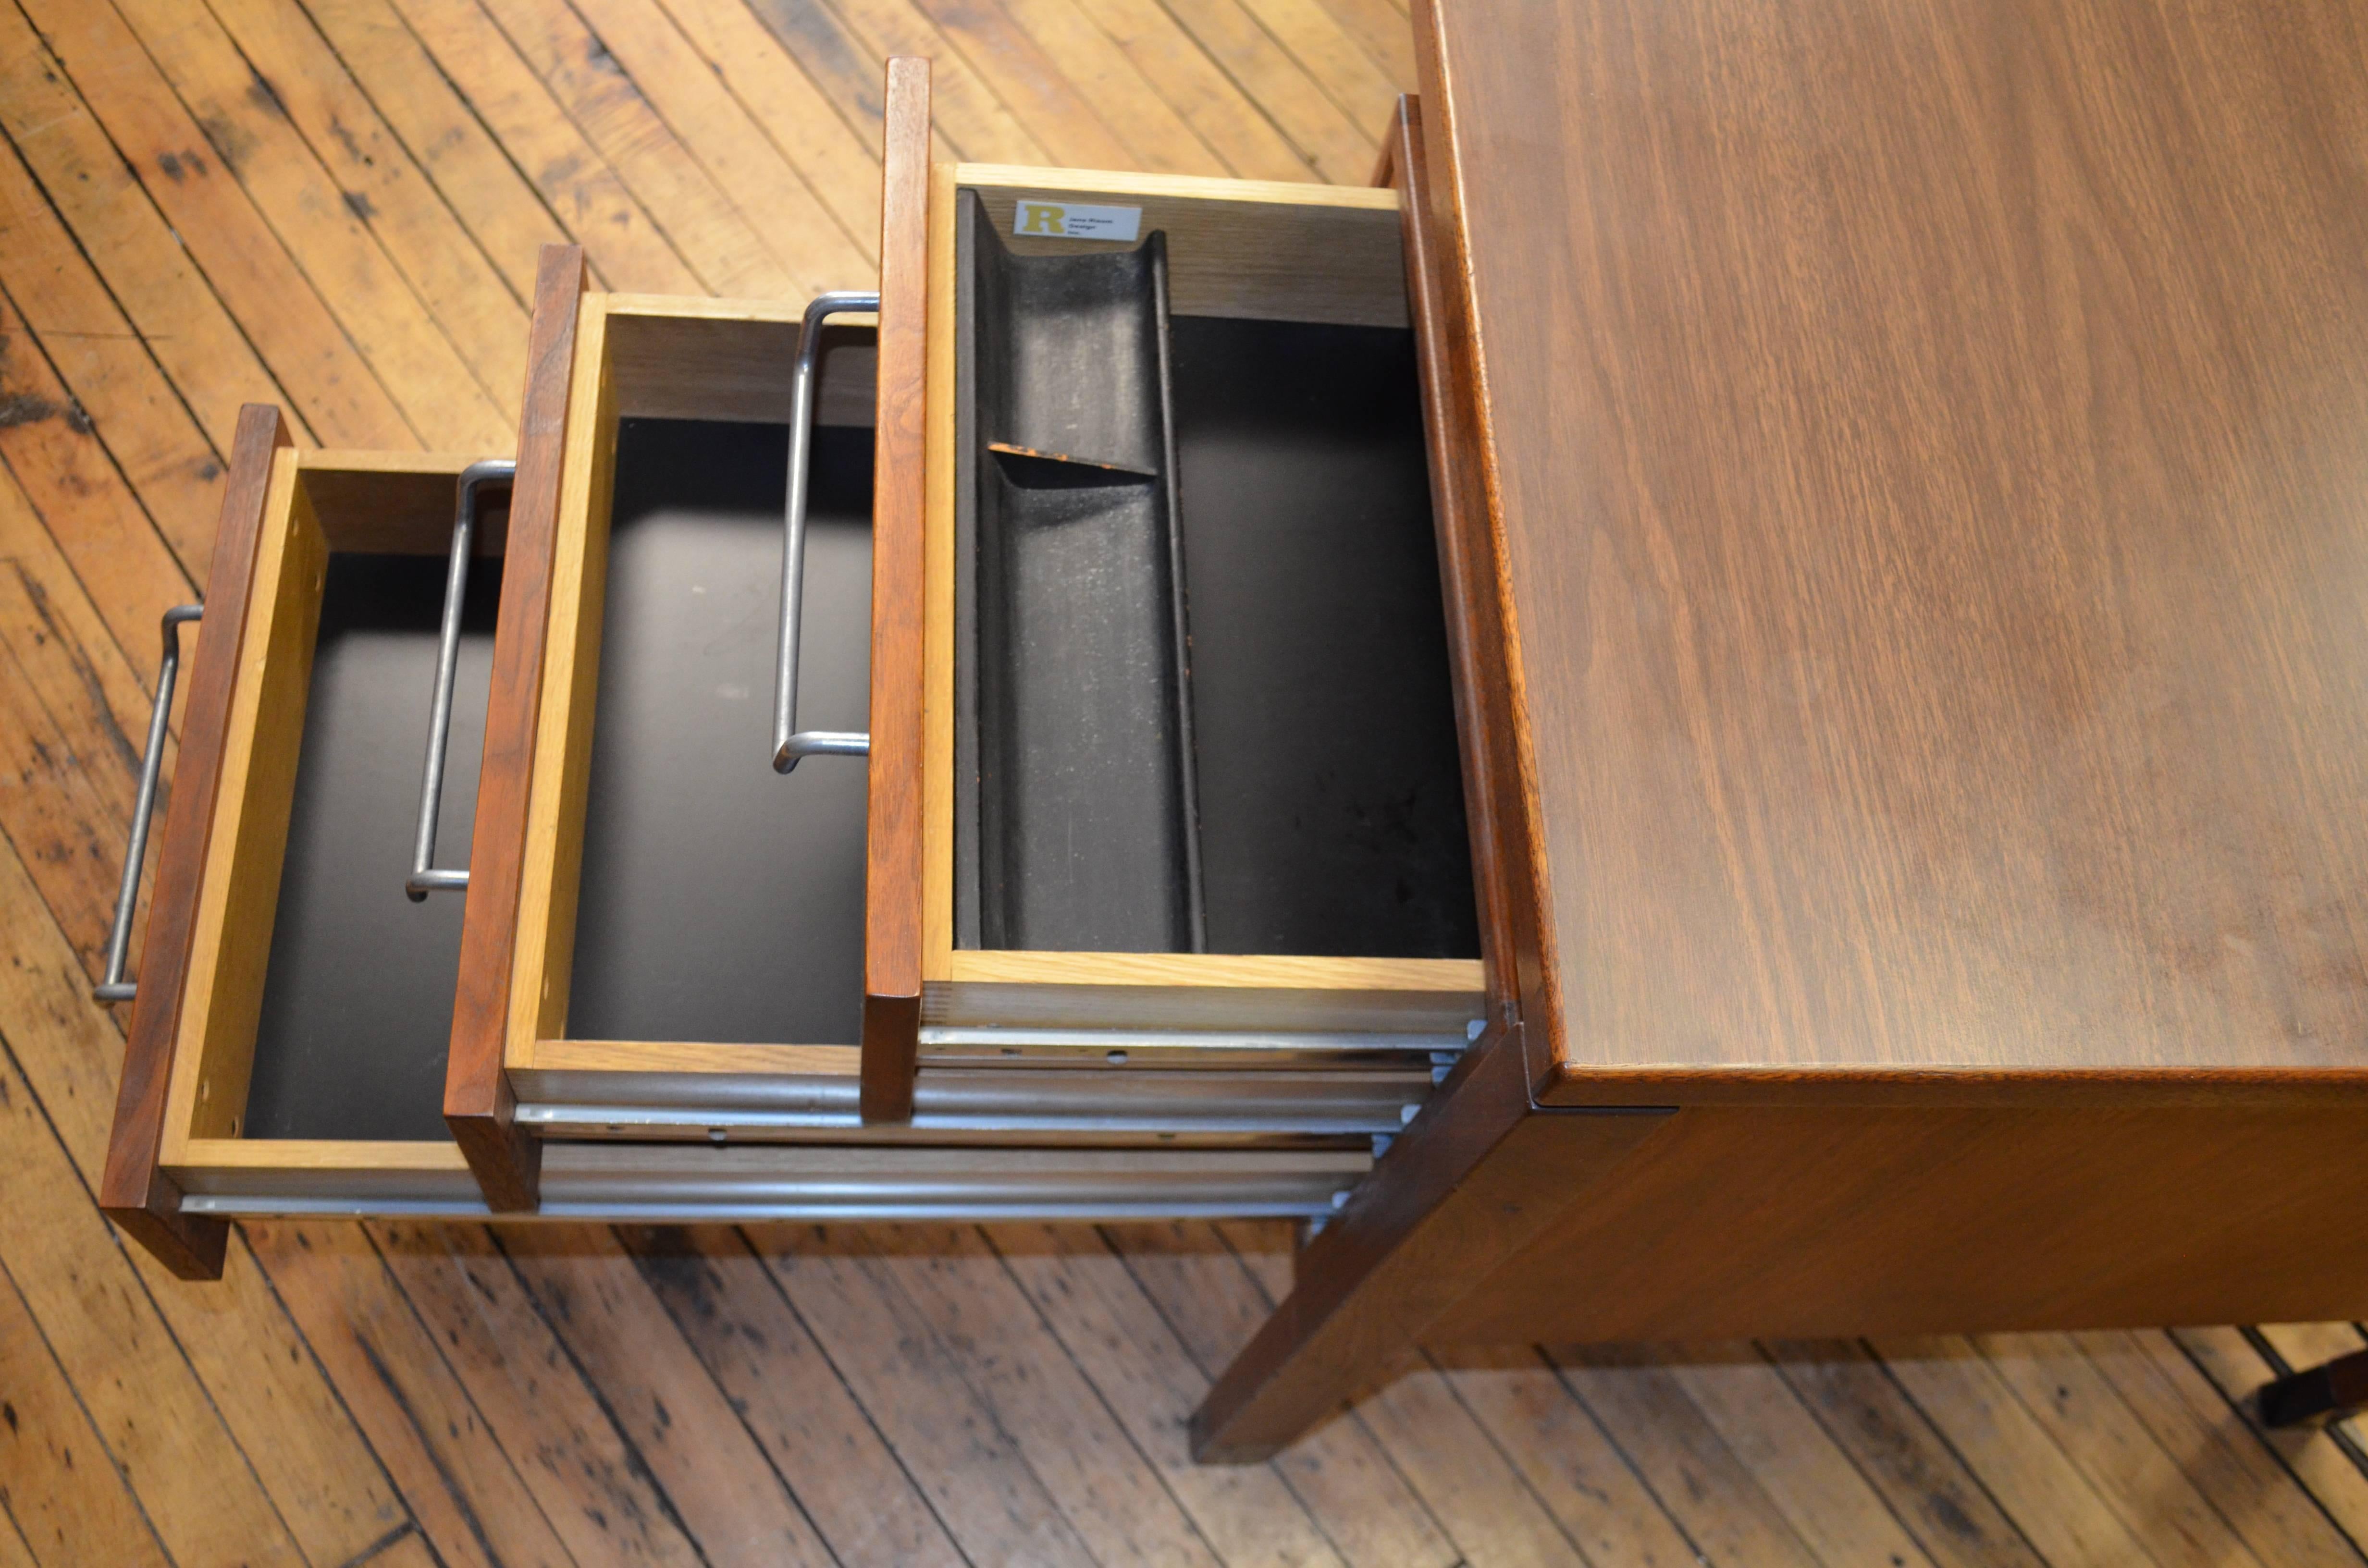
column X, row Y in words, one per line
column 333, row 204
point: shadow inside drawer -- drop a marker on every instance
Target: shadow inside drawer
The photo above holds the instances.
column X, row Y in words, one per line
column 356, row 1015
column 722, row 902
column 1202, row 696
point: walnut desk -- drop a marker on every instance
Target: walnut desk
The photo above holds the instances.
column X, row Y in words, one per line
column 1905, row 486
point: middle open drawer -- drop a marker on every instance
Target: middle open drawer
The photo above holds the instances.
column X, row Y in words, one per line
column 690, row 955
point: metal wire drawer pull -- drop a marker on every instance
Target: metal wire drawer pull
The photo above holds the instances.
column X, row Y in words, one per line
column 426, row 879
column 789, row 743
column 112, row 987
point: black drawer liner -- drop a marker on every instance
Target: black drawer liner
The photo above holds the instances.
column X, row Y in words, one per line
column 357, row 1016
column 1203, row 694
column 722, row 902
column 1084, row 780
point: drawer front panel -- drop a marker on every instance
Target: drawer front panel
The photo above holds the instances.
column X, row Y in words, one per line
column 131, row 1190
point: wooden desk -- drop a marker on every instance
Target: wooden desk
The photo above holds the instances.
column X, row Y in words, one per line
column 1907, row 495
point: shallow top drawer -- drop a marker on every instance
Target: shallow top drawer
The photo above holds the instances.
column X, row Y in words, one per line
column 1193, row 768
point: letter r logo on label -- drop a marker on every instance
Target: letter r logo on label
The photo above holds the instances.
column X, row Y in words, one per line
column 1041, row 218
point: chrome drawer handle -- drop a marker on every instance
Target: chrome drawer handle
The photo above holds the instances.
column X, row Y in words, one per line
column 112, row 987
column 789, row 743
column 426, row 879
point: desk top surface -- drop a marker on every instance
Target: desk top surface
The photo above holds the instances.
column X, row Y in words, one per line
column 1932, row 452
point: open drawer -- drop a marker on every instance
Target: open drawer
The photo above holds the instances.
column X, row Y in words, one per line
column 685, row 980
column 691, row 944
column 1193, row 787
column 292, row 1019
column 305, row 1005
column 708, row 946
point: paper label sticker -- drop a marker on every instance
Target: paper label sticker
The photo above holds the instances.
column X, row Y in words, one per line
column 1074, row 220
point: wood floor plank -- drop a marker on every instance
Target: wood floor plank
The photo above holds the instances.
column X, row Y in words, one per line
column 1017, row 69
column 452, row 1468
column 1581, row 1478
column 294, row 1426
column 407, row 1550
column 187, row 1469
column 1117, row 1339
column 56, row 1481
column 1466, row 1481
column 972, row 116
column 1472, row 1493
column 493, row 201
column 14, row 1551
column 107, row 370
column 696, row 218
column 1106, row 1489
column 817, row 248
column 2228, row 1467
column 976, row 1479
column 752, row 1342
column 1365, row 94
column 1382, row 30
column 157, row 278
column 1928, row 1487
column 717, row 1479
column 69, row 764
column 1831, row 1508
column 446, row 401
column 275, row 303
column 1206, row 1294
column 846, row 70
column 622, row 242
column 2237, row 1372
column 1237, row 130
column 579, row 1465
column 2096, row 1429
column 1155, row 137
column 1334, row 146
column 812, row 134
column 52, row 449
column 65, row 622
column 1639, row 1401
column 2055, row 1505
column 482, row 311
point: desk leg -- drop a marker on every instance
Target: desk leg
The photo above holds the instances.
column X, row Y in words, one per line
column 2318, row 1395
column 1478, row 1176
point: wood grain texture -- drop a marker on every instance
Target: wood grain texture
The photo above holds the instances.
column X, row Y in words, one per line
column 1376, row 1279
column 543, row 967
column 1923, row 452
column 1471, row 1181
column 478, row 1105
column 134, row 1193
column 238, row 902
column 1487, row 721
column 396, row 503
column 1828, row 1222
column 939, row 571
column 681, row 358
column 893, row 832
